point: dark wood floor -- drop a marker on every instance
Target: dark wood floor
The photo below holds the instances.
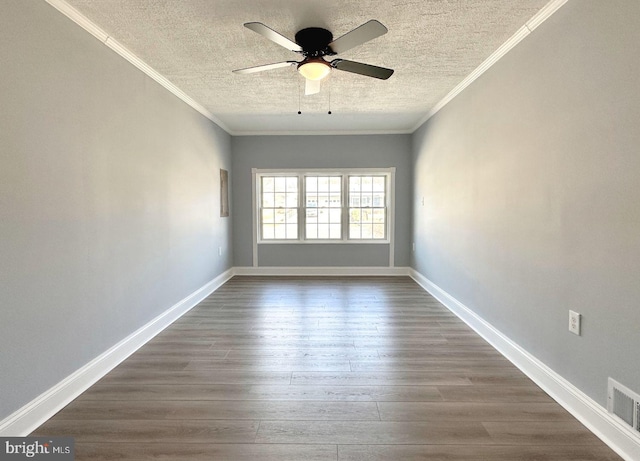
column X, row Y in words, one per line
column 319, row 369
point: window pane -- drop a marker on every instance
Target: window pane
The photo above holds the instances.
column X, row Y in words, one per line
column 267, row 231
column 312, row 231
column 323, row 232
column 323, row 216
column 292, row 200
column 280, row 231
column 378, row 200
column 378, row 231
column 354, row 231
column 267, row 184
column 311, row 183
column 367, row 200
column 267, row 200
column 312, row 216
column 292, row 184
column 323, row 200
column 292, row 216
column 280, row 200
column 335, row 231
column 267, row 216
column 367, row 231
column 335, row 215
column 367, row 215
column 281, row 216
column 323, row 184
column 354, row 215
column 378, row 183
column 280, row 184
column 378, row 216
column 354, row 183
column 292, row 231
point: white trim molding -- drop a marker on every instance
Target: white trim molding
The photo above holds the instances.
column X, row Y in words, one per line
column 542, row 15
column 35, row 413
column 322, row 271
column 582, row 407
column 63, row 7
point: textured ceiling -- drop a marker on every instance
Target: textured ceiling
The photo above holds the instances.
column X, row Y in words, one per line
column 432, row 45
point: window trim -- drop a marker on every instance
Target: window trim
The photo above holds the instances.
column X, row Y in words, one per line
column 389, row 173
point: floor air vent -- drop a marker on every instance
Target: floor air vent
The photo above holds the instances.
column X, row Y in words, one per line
column 625, row 404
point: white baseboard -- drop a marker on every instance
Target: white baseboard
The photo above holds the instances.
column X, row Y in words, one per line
column 582, row 407
column 31, row 416
column 322, row 271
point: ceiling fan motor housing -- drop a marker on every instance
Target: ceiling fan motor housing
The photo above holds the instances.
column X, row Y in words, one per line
column 315, row 41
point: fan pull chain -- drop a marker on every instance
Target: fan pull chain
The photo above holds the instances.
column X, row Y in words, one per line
column 329, row 85
column 299, row 96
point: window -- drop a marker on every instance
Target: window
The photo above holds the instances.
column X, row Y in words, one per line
column 367, row 207
column 323, row 207
column 279, row 207
column 317, row 206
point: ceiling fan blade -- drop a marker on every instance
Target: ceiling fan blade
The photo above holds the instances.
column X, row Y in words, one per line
column 363, row 69
column 277, row 65
column 273, row 35
column 311, row 87
column 367, row 31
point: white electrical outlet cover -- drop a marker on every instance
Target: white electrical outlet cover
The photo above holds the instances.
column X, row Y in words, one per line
column 574, row 322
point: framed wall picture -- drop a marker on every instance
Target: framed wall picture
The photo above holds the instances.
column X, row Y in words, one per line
column 224, row 193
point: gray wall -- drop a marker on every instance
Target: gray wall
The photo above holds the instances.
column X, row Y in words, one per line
column 109, row 200
column 367, row 151
column 532, row 198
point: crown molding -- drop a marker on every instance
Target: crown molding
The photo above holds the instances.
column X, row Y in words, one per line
column 63, row 7
column 320, row 133
column 542, row 15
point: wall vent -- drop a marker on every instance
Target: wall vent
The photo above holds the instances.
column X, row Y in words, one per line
column 624, row 404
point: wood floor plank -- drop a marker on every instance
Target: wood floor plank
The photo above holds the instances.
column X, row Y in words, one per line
column 357, row 378
column 472, row 411
column 458, row 452
column 192, row 431
column 233, row 392
column 494, row 393
column 367, row 432
column 220, row 409
column 160, row 392
column 101, row 451
column 401, row 365
column 319, row 369
column 545, row 432
column 348, row 393
column 269, row 364
column 321, row 354
column 198, row 376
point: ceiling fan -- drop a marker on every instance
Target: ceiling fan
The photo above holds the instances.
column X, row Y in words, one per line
column 314, row 43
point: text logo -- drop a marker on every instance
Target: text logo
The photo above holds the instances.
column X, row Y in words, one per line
column 36, row 448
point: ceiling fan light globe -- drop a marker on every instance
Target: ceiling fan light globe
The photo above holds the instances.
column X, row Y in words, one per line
column 314, row 70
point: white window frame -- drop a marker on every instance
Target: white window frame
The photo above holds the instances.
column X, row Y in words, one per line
column 389, row 174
